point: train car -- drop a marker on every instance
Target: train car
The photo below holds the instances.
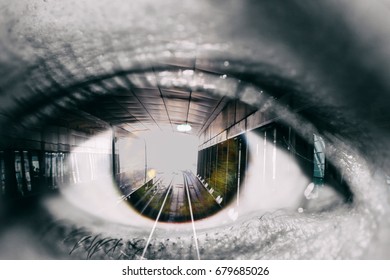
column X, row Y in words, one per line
column 267, row 157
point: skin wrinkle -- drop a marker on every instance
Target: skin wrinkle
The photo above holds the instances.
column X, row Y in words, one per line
column 288, row 236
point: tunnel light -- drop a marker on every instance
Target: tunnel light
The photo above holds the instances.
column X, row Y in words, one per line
column 185, row 127
column 188, row 72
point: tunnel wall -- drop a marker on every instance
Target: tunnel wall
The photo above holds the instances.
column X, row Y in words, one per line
column 34, row 160
column 238, row 117
column 50, row 138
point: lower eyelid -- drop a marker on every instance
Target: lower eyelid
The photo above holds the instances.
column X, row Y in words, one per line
column 255, row 237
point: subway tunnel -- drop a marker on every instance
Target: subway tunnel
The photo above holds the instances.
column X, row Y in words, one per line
column 152, row 138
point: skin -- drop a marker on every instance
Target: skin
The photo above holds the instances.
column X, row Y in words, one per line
column 333, row 55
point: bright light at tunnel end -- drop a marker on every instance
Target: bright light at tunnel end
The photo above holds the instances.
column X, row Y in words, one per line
column 184, row 127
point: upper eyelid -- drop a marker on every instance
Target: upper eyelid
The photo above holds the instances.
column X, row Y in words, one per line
column 53, row 88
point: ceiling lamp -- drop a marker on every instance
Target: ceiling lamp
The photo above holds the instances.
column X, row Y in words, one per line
column 185, row 127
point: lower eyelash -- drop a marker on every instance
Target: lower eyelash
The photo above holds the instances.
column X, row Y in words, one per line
column 79, row 243
column 255, row 237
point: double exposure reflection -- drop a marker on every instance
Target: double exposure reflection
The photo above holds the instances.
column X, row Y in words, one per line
column 287, row 102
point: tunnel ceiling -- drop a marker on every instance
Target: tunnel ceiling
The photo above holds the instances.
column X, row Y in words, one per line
column 133, row 108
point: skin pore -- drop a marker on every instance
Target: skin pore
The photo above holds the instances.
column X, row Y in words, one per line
column 333, row 55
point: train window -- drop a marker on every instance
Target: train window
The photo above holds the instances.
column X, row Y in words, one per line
column 66, row 167
column 35, row 171
column 18, row 172
column 48, row 173
column 54, row 170
column 319, row 160
column 2, row 173
column 27, row 170
column 51, row 172
column 265, row 151
column 60, row 167
column 35, row 163
column 75, row 168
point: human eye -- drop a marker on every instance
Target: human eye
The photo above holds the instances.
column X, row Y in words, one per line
column 122, row 91
column 97, row 221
